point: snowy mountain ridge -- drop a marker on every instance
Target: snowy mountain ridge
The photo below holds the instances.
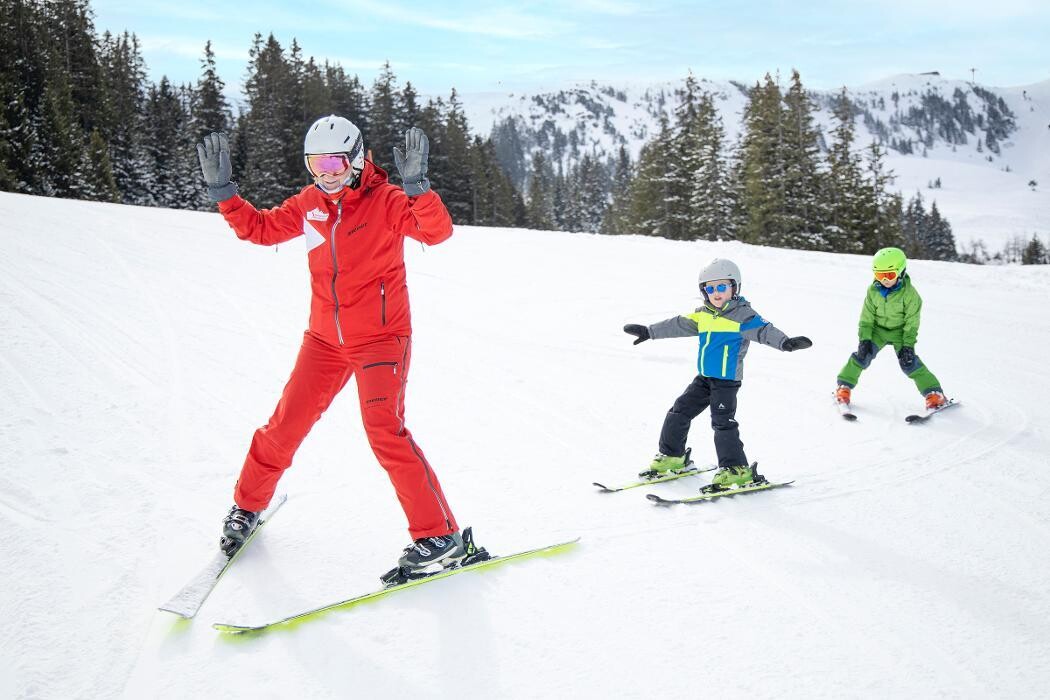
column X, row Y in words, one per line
column 985, row 145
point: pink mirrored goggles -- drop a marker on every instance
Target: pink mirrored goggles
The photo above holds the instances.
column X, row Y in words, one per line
column 327, row 163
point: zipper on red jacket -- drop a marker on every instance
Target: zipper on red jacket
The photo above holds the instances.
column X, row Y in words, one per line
column 335, row 269
column 382, row 295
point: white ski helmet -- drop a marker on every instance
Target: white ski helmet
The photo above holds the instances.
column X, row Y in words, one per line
column 333, row 134
column 720, row 269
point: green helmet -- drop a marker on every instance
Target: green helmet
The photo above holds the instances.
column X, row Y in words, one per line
column 890, row 260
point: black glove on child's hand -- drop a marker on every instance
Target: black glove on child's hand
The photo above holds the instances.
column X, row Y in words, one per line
column 799, row 342
column 640, row 332
column 865, row 350
column 906, row 357
column 214, row 156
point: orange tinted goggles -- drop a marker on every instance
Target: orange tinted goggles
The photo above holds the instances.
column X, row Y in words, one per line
column 888, row 275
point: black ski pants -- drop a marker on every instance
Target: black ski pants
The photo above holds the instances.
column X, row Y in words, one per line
column 720, row 395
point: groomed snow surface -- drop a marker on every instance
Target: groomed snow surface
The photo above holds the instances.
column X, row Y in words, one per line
column 140, row 348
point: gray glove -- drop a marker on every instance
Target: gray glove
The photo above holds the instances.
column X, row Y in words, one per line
column 214, row 155
column 412, row 163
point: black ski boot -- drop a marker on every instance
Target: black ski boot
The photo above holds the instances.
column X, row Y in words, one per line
column 432, row 555
column 237, row 526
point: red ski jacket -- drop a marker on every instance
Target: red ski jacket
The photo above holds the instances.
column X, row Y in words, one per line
column 355, row 242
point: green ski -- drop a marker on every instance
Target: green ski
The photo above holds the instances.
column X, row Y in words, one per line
column 691, row 471
column 710, row 495
column 482, row 559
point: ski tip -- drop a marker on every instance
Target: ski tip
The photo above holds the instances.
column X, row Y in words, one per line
column 603, row 487
column 659, row 501
column 233, row 629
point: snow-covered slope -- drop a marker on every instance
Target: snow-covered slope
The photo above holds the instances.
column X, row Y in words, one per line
column 139, row 349
column 984, row 190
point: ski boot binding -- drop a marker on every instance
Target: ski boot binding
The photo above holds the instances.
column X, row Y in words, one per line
column 428, row 556
column 237, row 527
column 739, row 476
column 663, row 465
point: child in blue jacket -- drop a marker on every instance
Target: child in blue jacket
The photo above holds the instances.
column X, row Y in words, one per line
column 725, row 325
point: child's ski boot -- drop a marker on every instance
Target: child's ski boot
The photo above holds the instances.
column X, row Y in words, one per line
column 662, row 465
column 935, row 400
column 736, row 476
column 842, row 394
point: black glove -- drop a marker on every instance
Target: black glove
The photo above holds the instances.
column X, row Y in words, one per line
column 641, row 332
column 799, row 342
column 865, row 351
column 214, row 156
column 906, row 357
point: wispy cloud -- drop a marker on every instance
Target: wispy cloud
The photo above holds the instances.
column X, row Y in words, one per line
column 489, row 21
column 189, row 48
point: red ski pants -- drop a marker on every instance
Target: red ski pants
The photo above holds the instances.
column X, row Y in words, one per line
column 320, row 372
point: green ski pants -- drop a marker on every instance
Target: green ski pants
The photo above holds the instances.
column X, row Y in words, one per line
column 917, row 371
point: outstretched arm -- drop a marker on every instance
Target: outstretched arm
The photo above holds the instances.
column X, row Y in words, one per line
column 418, row 212
column 268, row 227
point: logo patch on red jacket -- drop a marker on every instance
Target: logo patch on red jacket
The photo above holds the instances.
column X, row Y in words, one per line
column 317, row 214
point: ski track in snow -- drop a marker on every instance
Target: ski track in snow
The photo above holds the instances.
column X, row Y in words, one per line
column 139, row 352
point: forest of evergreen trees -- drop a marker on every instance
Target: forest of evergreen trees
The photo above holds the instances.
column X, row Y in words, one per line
column 80, row 119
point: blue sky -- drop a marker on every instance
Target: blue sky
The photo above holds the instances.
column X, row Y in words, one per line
column 485, row 46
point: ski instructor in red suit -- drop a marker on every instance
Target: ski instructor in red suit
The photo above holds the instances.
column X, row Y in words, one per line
column 355, row 224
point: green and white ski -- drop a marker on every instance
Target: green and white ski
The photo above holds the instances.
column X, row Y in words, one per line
column 349, row 602
column 691, row 471
column 189, row 600
column 710, row 495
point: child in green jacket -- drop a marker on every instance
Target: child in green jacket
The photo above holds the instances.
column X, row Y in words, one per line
column 890, row 316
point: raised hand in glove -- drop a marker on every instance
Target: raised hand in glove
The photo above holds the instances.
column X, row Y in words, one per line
column 799, row 342
column 412, row 162
column 214, row 155
column 640, row 332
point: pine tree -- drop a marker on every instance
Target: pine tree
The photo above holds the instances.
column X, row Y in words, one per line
column 939, row 242
column 168, row 146
column 211, row 110
column 648, row 210
column 101, row 186
column 383, row 127
column 539, row 206
column 884, row 229
column 589, row 199
column 124, row 72
column 269, row 132
column 1035, row 253
column 710, row 204
column 761, row 167
column 613, row 221
column 348, row 98
column 457, row 184
column 408, row 108
column 801, row 222
column 845, row 188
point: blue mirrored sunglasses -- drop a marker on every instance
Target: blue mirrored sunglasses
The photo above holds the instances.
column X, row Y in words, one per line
column 710, row 289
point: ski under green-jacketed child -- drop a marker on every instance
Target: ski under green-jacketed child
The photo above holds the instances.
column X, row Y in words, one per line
column 725, row 325
column 890, row 316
